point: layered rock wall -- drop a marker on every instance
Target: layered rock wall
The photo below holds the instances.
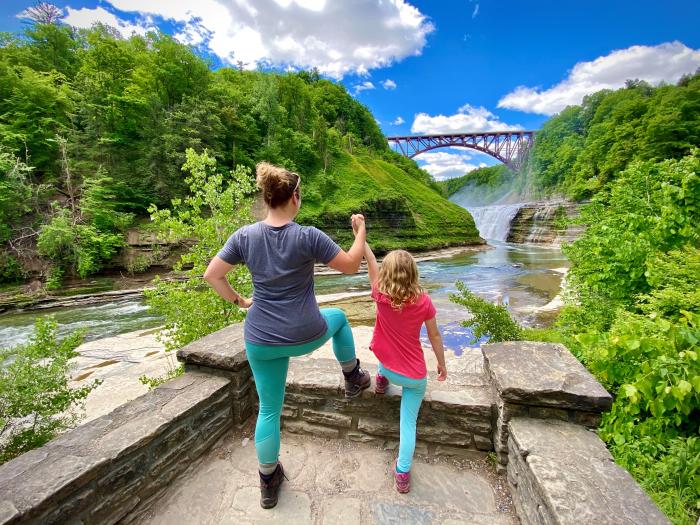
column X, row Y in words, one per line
column 544, row 223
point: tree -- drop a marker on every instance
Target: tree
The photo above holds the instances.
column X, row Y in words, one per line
column 214, row 208
column 43, row 13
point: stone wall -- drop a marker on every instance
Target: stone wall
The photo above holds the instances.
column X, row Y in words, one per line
column 543, row 381
column 455, row 418
column 451, row 422
column 561, row 473
column 112, row 468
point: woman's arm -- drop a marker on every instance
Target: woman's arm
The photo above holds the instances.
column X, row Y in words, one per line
column 438, row 348
column 215, row 275
column 349, row 262
column 372, row 266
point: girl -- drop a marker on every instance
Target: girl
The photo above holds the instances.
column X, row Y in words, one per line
column 402, row 308
column 284, row 319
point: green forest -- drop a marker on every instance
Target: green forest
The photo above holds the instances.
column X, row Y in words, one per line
column 94, row 129
column 632, row 313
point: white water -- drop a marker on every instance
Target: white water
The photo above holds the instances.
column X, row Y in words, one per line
column 493, row 222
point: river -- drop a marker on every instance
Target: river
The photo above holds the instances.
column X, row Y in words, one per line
column 523, row 276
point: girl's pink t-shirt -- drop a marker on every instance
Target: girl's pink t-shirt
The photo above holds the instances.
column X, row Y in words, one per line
column 396, row 340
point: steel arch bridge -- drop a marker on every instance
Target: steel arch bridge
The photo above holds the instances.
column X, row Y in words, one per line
column 510, row 147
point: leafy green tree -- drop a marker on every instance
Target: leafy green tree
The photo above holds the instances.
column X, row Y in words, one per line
column 36, row 402
column 216, row 205
column 15, row 192
column 492, row 321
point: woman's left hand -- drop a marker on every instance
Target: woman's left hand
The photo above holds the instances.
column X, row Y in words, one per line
column 244, row 302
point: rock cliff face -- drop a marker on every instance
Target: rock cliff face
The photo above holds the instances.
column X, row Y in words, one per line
column 544, row 223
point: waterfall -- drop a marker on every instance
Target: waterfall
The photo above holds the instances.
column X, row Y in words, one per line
column 493, row 222
column 541, row 230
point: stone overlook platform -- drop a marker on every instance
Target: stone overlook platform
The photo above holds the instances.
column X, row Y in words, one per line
column 182, row 453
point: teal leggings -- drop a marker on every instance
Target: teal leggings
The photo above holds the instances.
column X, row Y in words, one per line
column 270, row 364
column 412, row 393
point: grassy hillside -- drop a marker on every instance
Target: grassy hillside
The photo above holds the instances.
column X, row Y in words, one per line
column 402, row 211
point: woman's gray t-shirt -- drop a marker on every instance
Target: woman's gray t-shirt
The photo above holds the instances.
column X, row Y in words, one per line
column 281, row 260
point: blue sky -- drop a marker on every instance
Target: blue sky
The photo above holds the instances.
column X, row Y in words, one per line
column 453, row 65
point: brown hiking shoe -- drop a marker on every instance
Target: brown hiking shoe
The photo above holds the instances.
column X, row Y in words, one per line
column 270, row 490
column 356, row 381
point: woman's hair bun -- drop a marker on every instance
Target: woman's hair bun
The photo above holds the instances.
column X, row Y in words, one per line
column 277, row 184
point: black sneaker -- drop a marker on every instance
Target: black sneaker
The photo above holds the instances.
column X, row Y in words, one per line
column 270, row 489
column 356, row 381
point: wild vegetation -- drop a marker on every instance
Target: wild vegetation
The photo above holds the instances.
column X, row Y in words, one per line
column 94, row 129
column 36, row 402
column 633, row 318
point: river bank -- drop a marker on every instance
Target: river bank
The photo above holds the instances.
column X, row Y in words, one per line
column 132, row 287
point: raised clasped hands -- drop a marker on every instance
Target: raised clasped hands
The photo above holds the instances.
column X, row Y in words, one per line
column 358, row 223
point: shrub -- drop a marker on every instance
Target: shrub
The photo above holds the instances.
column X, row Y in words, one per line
column 490, row 320
column 36, row 402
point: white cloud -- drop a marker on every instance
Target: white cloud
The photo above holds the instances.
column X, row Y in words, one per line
column 468, row 119
column 388, row 84
column 476, row 11
column 86, row 18
column 335, row 36
column 398, row 121
column 365, row 86
column 666, row 62
column 444, row 165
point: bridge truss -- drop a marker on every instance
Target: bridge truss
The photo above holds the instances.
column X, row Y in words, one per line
column 510, row 147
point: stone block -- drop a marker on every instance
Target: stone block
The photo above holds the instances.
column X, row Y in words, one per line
column 474, row 401
column 587, row 419
column 549, row 413
column 444, row 434
column 302, row 427
column 304, row 400
column 460, row 452
column 379, row 427
column 543, row 374
column 128, row 472
column 289, row 412
column 54, row 479
column 326, row 418
column 113, row 508
column 72, row 506
column 572, row 470
column 223, row 349
column 317, row 376
column 482, row 443
column 359, row 437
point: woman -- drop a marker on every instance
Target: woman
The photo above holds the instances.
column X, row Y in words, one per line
column 284, row 319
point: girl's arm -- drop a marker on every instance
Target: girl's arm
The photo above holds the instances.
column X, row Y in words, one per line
column 438, row 348
column 215, row 275
column 372, row 266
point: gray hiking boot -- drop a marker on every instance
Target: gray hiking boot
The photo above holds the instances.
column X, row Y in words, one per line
column 356, row 381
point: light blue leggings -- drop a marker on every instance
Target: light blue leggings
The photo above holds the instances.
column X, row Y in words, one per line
column 270, row 365
column 412, row 393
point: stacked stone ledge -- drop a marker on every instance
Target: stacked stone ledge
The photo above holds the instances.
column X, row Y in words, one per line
column 559, row 471
column 113, row 468
column 541, row 381
column 451, row 422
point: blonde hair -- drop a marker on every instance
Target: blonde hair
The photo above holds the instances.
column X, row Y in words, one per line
column 398, row 278
column 277, row 184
